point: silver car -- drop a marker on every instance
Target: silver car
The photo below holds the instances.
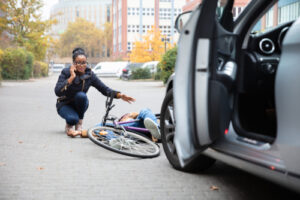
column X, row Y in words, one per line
column 237, row 98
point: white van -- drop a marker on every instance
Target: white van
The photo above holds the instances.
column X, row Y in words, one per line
column 109, row 69
column 56, row 68
column 151, row 65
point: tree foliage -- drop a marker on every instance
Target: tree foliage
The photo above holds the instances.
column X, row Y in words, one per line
column 85, row 34
column 17, row 64
column 167, row 64
column 22, row 21
column 141, row 73
column 151, row 48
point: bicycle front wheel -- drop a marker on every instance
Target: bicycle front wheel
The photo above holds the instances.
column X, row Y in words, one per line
column 126, row 143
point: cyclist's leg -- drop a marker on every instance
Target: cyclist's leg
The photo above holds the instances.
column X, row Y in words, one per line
column 147, row 113
column 150, row 122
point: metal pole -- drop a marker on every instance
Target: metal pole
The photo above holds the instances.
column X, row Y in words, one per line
column 165, row 43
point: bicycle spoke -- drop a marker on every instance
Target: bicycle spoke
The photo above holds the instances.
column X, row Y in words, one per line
column 126, row 143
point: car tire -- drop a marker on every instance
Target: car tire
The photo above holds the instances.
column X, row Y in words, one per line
column 167, row 125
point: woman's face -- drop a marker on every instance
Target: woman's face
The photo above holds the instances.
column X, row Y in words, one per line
column 80, row 63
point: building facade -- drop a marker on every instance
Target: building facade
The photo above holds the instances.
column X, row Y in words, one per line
column 133, row 18
column 283, row 11
column 238, row 6
column 65, row 11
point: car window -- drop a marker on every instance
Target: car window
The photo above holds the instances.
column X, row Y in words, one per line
column 283, row 11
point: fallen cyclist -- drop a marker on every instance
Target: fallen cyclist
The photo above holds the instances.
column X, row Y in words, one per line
column 144, row 119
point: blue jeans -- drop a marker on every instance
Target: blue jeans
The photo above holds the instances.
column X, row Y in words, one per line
column 144, row 113
column 74, row 111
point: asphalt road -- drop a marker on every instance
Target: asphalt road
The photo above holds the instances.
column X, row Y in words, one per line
column 38, row 161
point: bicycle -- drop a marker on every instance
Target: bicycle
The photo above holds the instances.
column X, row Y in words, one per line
column 127, row 140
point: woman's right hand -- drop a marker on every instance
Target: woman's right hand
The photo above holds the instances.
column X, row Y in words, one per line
column 73, row 74
column 72, row 71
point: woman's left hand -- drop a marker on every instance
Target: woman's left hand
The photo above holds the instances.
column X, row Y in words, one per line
column 126, row 98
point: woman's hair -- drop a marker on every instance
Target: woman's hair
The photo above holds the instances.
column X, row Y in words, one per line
column 76, row 52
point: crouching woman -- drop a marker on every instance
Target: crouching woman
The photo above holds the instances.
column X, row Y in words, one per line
column 71, row 88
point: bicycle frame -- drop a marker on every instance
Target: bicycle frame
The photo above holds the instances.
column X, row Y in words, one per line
column 122, row 125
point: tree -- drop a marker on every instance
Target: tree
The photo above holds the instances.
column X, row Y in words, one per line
column 107, row 38
column 167, row 64
column 85, row 34
column 23, row 23
column 151, row 48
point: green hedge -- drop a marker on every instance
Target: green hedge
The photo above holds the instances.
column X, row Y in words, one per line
column 1, row 58
column 167, row 65
column 40, row 69
column 17, row 64
column 141, row 73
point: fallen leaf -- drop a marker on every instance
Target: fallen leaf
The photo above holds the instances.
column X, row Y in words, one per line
column 40, row 168
column 2, row 164
column 214, row 187
column 20, row 142
column 70, row 151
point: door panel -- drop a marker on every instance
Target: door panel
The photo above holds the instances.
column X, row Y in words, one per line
column 205, row 73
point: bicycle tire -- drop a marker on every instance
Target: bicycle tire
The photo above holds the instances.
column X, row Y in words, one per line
column 129, row 143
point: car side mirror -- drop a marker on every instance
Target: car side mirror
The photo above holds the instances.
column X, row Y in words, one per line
column 181, row 20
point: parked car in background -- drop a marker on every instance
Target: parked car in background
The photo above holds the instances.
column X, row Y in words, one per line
column 127, row 71
column 234, row 96
column 152, row 66
column 56, row 68
column 109, row 69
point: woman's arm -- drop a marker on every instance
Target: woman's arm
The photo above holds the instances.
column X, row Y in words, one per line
column 64, row 80
column 101, row 87
column 125, row 97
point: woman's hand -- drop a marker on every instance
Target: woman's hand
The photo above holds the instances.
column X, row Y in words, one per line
column 73, row 74
column 125, row 98
column 72, row 71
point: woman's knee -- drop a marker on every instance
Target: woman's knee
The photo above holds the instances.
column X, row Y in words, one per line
column 72, row 120
column 80, row 96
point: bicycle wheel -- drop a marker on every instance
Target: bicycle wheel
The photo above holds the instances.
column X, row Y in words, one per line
column 126, row 143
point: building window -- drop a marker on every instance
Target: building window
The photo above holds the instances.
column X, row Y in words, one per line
column 289, row 12
column 269, row 18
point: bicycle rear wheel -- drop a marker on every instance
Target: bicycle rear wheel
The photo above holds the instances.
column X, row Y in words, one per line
column 126, row 143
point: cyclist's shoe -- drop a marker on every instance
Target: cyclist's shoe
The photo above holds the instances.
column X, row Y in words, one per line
column 78, row 126
column 152, row 127
column 69, row 130
column 84, row 134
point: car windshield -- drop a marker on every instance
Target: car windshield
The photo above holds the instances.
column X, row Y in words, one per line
column 282, row 12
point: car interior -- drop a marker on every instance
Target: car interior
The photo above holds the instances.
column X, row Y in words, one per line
column 254, row 111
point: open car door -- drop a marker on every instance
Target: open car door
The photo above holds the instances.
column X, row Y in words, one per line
column 205, row 74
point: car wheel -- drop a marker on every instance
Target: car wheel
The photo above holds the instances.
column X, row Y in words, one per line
column 167, row 124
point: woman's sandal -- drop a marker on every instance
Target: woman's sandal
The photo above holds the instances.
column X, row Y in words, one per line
column 69, row 130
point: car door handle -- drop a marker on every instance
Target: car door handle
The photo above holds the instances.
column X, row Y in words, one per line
column 202, row 70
